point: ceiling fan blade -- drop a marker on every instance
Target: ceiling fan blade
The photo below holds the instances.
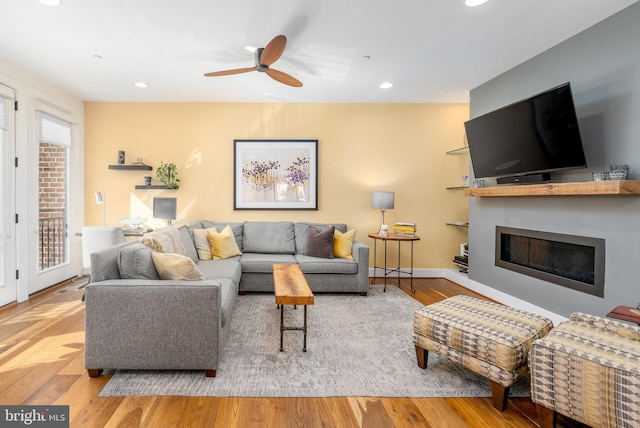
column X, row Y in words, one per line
column 228, row 72
column 273, row 50
column 283, row 78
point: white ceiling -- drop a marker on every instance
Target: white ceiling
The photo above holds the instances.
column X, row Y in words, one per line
column 433, row 50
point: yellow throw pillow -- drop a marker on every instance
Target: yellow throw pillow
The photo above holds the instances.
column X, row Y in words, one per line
column 223, row 244
column 176, row 266
column 201, row 239
column 342, row 243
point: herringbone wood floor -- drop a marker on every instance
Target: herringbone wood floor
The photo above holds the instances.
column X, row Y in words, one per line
column 42, row 362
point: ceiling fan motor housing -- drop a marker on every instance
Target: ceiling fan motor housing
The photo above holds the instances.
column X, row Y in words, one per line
column 257, row 55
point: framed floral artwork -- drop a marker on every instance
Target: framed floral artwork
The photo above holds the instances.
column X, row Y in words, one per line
column 275, row 175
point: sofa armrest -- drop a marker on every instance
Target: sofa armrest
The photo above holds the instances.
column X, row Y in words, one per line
column 623, row 329
column 153, row 324
column 360, row 253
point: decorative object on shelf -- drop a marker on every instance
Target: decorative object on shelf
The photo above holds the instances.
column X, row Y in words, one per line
column 121, row 157
column 382, row 201
column 165, row 208
column 167, row 173
column 600, row 176
column 133, row 223
column 101, row 199
column 275, row 175
column 465, row 180
column 147, row 180
column 138, row 161
column 618, row 172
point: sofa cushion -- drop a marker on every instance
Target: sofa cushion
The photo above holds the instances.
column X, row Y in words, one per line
column 342, row 244
column 134, row 262
column 320, row 244
column 203, row 246
column 223, row 268
column 269, row 237
column 302, row 233
column 317, row 265
column 187, row 241
column 223, row 244
column 263, row 263
column 237, row 228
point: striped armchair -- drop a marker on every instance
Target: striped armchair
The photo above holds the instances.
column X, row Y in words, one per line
column 588, row 369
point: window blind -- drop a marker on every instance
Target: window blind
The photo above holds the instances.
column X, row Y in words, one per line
column 54, row 130
column 3, row 112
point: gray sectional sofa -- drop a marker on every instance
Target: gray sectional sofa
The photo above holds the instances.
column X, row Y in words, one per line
column 135, row 320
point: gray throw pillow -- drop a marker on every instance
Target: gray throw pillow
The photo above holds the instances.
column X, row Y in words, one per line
column 134, row 262
column 320, row 243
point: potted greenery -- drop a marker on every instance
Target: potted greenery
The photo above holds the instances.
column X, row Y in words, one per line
column 167, row 174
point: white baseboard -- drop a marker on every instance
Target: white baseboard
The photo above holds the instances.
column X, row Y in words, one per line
column 461, row 278
column 417, row 273
column 497, row 295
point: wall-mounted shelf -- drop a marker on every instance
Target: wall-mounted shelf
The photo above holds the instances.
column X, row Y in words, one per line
column 155, row 186
column 457, row 187
column 458, row 223
column 461, row 150
column 584, row 188
column 132, row 167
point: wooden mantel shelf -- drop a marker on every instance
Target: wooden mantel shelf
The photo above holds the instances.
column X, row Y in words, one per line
column 583, row 188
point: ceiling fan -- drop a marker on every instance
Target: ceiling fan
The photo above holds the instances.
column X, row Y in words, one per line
column 264, row 57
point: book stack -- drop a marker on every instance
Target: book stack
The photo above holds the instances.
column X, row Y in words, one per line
column 462, row 261
column 404, row 229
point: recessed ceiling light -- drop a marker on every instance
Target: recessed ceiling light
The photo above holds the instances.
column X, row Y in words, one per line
column 55, row 3
column 96, row 56
column 386, row 85
column 142, row 85
column 474, row 3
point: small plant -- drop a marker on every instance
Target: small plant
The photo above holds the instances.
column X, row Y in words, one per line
column 167, row 174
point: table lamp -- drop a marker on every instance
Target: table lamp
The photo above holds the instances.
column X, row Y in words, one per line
column 382, row 201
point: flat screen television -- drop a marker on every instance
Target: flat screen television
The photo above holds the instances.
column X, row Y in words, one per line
column 531, row 137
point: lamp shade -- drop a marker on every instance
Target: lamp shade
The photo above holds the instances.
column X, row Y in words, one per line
column 382, row 200
column 99, row 198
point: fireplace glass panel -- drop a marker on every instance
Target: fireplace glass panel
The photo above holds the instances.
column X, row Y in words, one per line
column 572, row 261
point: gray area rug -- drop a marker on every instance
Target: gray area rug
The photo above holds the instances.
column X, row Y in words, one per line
column 357, row 346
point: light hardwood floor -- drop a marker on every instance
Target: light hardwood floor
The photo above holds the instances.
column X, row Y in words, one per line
column 42, row 363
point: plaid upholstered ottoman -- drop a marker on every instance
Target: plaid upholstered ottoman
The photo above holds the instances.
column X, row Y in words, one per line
column 588, row 368
column 490, row 339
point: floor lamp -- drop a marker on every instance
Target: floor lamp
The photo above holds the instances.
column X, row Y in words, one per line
column 382, row 201
column 101, row 199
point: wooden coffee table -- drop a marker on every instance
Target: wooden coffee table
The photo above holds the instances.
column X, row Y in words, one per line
column 291, row 288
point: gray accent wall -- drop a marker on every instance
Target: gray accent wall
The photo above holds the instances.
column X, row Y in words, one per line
column 603, row 65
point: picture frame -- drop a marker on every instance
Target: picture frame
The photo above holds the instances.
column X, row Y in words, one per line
column 275, row 174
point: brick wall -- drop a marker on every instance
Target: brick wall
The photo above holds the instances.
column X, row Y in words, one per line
column 52, row 203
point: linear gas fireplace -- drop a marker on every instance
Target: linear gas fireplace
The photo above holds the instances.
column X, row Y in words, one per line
column 576, row 262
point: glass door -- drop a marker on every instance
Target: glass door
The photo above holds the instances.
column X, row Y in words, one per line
column 8, row 281
column 50, row 255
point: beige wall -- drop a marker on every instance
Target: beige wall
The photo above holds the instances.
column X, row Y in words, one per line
column 362, row 148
